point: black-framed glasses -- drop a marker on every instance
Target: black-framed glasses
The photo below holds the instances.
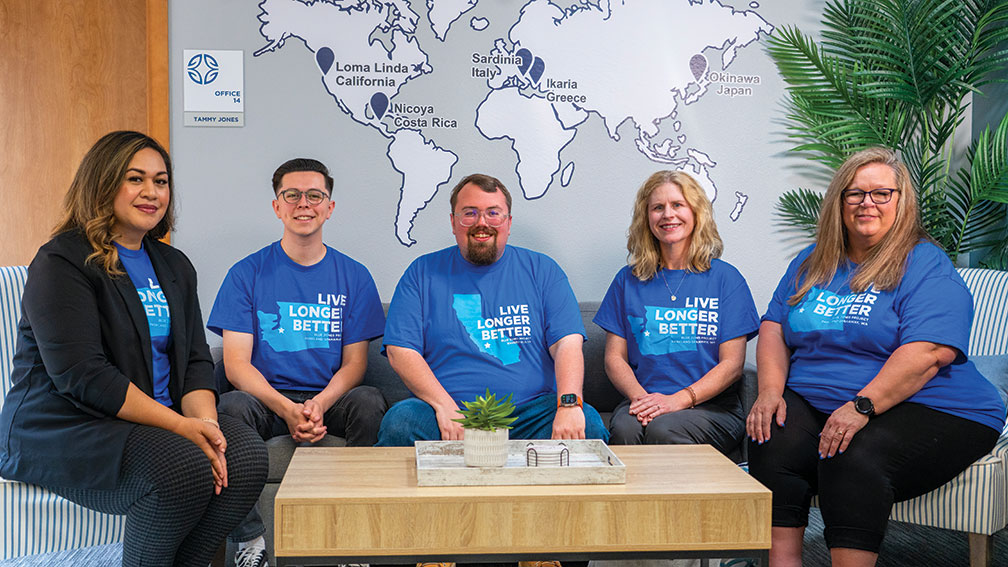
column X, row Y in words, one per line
column 877, row 196
column 494, row 216
column 293, row 196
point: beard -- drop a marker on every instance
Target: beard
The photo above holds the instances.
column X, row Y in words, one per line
column 481, row 253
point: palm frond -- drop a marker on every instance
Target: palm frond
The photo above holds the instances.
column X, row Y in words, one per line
column 989, row 36
column 799, row 209
column 978, row 222
column 989, row 156
column 997, row 257
column 898, row 73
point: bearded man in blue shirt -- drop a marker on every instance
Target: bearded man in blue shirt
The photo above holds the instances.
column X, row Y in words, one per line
column 484, row 315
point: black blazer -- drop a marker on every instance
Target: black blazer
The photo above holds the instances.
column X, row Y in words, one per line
column 83, row 336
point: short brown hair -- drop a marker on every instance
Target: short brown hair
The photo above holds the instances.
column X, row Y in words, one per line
column 485, row 182
column 301, row 164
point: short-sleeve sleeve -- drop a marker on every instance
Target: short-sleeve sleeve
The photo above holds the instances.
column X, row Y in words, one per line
column 404, row 325
column 778, row 308
column 738, row 310
column 232, row 309
column 562, row 313
column 366, row 320
column 933, row 302
column 611, row 314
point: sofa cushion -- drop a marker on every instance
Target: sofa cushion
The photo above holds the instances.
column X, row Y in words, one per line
column 12, row 282
column 995, row 369
column 380, row 375
column 598, row 390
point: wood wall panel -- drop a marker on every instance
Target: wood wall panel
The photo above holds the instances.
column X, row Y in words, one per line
column 70, row 71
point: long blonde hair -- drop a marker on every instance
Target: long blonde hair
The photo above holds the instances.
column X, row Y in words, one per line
column 644, row 251
column 88, row 205
column 885, row 262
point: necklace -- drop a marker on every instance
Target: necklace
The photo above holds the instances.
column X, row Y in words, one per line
column 672, row 294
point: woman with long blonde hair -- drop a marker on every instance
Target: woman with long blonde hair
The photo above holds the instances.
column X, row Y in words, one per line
column 677, row 320
column 865, row 394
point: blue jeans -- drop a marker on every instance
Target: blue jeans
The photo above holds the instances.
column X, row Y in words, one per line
column 414, row 420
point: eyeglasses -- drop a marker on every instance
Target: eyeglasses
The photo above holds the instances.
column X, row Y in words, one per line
column 877, row 196
column 293, row 196
column 469, row 217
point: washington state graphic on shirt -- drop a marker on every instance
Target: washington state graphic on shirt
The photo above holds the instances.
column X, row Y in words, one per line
column 665, row 330
column 822, row 310
column 300, row 326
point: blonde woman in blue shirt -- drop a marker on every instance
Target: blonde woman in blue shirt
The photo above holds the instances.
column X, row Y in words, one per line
column 677, row 320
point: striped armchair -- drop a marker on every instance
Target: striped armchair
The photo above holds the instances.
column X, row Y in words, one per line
column 35, row 520
column 976, row 501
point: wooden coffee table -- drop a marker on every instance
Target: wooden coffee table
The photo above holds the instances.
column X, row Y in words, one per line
column 363, row 505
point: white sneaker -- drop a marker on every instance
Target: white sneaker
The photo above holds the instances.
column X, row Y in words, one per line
column 252, row 554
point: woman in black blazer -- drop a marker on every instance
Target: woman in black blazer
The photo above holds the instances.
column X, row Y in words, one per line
column 113, row 403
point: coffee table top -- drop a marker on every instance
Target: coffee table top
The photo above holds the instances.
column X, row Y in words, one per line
column 365, row 502
column 370, row 474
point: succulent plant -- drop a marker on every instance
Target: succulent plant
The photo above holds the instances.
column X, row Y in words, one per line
column 487, row 412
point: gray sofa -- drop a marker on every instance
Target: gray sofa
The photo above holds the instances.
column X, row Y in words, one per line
column 598, row 392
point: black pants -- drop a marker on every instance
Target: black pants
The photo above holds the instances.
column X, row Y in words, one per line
column 356, row 415
column 166, row 491
column 718, row 422
column 903, row 453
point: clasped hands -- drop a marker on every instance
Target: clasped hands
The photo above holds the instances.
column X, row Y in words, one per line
column 304, row 421
column 209, row 438
column 649, row 406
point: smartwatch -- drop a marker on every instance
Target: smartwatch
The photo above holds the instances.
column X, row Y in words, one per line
column 569, row 400
column 864, row 406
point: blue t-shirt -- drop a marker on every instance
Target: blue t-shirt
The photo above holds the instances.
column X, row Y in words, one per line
column 300, row 316
column 138, row 266
column 839, row 340
column 482, row 327
column 672, row 344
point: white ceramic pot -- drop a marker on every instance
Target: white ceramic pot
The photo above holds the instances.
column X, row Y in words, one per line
column 483, row 448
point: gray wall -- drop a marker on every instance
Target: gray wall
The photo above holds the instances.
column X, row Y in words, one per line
column 223, row 174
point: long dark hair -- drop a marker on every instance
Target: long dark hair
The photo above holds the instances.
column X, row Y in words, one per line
column 88, row 204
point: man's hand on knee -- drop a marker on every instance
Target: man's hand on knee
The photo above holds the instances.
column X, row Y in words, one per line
column 569, row 423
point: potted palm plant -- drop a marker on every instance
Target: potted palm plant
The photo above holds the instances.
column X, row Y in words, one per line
column 902, row 74
column 486, row 422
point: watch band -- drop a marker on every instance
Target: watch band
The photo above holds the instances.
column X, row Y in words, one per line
column 864, row 405
column 569, row 400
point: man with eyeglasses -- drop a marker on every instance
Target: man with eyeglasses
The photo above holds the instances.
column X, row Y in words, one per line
column 484, row 315
column 296, row 318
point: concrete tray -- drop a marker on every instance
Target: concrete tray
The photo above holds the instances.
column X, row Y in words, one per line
column 440, row 463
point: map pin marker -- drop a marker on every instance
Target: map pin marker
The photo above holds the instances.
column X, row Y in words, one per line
column 526, row 60
column 535, row 73
column 379, row 103
column 698, row 64
column 324, row 57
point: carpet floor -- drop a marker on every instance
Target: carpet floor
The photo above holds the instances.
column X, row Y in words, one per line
column 96, row 556
column 907, row 545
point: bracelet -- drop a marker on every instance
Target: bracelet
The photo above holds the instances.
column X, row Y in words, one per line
column 213, row 421
column 692, row 395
